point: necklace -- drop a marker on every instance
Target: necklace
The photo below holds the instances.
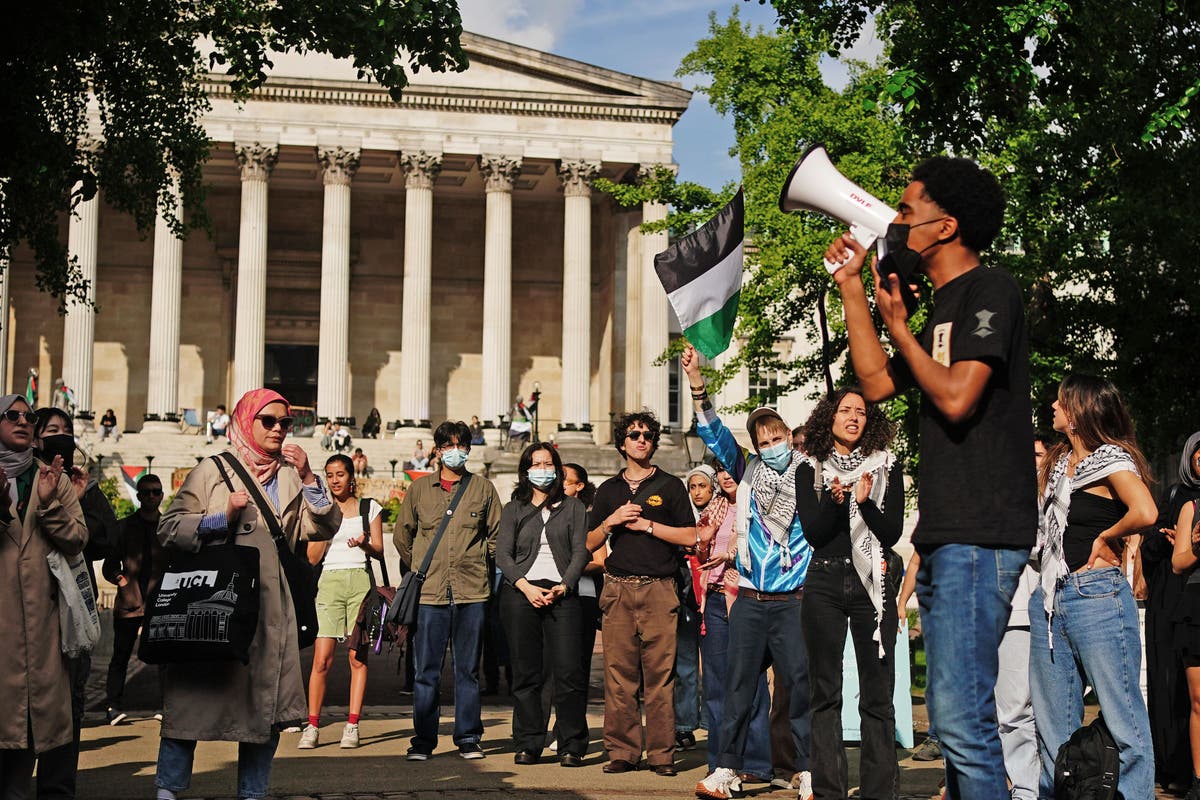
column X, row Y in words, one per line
column 634, row 483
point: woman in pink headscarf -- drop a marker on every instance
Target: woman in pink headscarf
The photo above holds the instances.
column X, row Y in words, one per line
column 229, row 701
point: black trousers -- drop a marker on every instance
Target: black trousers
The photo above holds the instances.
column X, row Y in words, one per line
column 57, row 768
column 125, row 632
column 833, row 596
column 590, row 607
column 536, row 635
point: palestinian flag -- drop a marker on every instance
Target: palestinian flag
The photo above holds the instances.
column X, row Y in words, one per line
column 31, row 389
column 702, row 273
column 131, row 476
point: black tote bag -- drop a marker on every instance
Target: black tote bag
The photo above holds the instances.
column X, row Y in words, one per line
column 204, row 609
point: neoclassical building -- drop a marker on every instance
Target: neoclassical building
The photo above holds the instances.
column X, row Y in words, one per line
column 433, row 257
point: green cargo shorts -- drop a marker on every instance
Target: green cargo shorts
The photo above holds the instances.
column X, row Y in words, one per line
column 339, row 595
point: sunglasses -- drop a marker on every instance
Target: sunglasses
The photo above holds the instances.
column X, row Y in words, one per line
column 269, row 422
column 635, row 435
column 14, row 416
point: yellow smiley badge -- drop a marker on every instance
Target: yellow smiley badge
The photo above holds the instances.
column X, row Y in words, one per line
column 654, row 500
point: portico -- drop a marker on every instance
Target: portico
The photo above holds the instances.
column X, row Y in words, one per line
column 441, row 254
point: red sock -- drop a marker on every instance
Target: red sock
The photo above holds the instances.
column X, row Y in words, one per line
column 314, row 721
column 354, row 719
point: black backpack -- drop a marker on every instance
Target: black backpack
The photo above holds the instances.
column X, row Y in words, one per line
column 1087, row 765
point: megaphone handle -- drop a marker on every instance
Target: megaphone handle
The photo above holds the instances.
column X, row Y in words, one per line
column 864, row 236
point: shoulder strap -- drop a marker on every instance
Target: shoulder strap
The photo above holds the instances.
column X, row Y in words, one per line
column 364, row 511
column 256, row 494
column 462, row 488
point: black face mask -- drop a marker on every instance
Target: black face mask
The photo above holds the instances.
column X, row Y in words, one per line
column 902, row 261
column 62, row 444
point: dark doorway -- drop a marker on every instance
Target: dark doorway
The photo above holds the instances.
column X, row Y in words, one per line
column 291, row 370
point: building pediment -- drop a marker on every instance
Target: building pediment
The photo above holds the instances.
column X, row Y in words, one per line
column 502, row 78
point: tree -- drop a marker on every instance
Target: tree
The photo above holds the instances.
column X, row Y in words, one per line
column 140, row 65
column 770, row 85
column 1082, row 110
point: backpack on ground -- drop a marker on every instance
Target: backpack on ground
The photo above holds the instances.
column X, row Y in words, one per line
column 1087, row 765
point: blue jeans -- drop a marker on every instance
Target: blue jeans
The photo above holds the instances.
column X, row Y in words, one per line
column 714, row 648
column 687, row 671
column 462, row 626
column 254, row 765
column 966, row 594
column 1095, row 627
column 762, row 632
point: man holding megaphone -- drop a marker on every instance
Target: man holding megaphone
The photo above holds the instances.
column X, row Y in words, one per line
column 977, row 492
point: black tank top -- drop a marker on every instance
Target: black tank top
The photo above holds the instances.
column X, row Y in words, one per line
column 1089, row 515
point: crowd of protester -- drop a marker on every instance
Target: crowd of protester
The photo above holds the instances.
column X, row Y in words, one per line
column 725, row 595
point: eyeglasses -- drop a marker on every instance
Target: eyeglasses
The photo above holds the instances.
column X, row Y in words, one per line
column 635, row 435
column 14, row 416
column 269, row 422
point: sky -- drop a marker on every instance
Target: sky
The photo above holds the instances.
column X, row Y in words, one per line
column 646, row 39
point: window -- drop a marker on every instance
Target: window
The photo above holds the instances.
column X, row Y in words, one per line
column 762, row 384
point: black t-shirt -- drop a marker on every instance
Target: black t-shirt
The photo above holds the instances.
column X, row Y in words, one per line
column 978, row 484
column 635, row 552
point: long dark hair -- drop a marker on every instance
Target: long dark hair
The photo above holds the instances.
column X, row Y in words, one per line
column 877, row 434
column 1097, row 415
column 586, row 495
column 348, row 463
column 524, row 491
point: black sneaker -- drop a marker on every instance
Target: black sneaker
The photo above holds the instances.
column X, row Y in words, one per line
column 470, row 751
column 115, row 716
column 416, row 755
column 684, row 740
column 930, row 750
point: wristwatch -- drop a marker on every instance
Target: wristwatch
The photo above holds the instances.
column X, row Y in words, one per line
column 650, row 529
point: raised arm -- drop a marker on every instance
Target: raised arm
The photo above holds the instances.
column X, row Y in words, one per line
column 871, row 364
column 715, row 435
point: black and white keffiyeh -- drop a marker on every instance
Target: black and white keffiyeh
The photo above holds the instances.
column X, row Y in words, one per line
column 1048, row 555
column 775, row 496
column 866, row 550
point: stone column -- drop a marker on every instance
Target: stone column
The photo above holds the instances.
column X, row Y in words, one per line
column 577, row 297
column 256, row 162
column 162, row 395
column 420, row 171
column 655, row 320
column 333, row 366
column 79, row 331
column 499, row 173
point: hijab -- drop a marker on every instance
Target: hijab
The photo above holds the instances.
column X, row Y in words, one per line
column 1187, row 476
column 13, row 462
column 262, row 464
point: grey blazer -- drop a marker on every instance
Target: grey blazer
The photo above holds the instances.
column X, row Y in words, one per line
column 566, row 531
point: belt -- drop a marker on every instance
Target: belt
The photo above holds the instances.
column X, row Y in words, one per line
column 718, row 588
column 754, row 594
column 637, row 580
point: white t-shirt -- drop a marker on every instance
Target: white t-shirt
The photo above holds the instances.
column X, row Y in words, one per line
column 341, row 556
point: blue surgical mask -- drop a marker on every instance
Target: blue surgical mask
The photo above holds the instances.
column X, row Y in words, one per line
column 777, row 456
column 542, row 478
column 454, row 458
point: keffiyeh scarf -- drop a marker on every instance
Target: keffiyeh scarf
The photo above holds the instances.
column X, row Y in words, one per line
column 1048, row 555
column 865, row 548
column 775, row 495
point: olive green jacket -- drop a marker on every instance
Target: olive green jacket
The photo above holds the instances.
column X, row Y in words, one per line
column 462, row 565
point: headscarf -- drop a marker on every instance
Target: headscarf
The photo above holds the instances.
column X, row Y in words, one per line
column 262, row 464
column 709, row 475
column 14, row 462
column 1187, row 475
column 869, row 558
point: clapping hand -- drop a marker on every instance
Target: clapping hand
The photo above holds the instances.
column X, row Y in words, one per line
column 838, row 491
column 47, row 480
column 862, row 489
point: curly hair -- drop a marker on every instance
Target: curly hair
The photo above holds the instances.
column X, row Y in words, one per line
column 967, row 192
column 624, row 422
column 877, row 433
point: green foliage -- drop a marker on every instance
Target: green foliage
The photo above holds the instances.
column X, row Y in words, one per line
column 391, row 509
column 1082, row 111
column 141, row 64
column 122, row 506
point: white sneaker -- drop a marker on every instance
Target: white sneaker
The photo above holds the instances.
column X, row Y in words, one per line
column 721, row 784
column 805, row 791
column 554, row 746
column 350, row 736
column 308, row 739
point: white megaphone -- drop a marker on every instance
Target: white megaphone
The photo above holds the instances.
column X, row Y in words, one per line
column 815, row 184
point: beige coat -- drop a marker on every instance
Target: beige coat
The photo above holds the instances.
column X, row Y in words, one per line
column 33, row 672
column 228, row 700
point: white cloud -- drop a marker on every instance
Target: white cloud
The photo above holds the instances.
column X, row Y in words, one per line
column 534, row 23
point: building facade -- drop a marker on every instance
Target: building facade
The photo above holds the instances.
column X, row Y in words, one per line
column 431, row 258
